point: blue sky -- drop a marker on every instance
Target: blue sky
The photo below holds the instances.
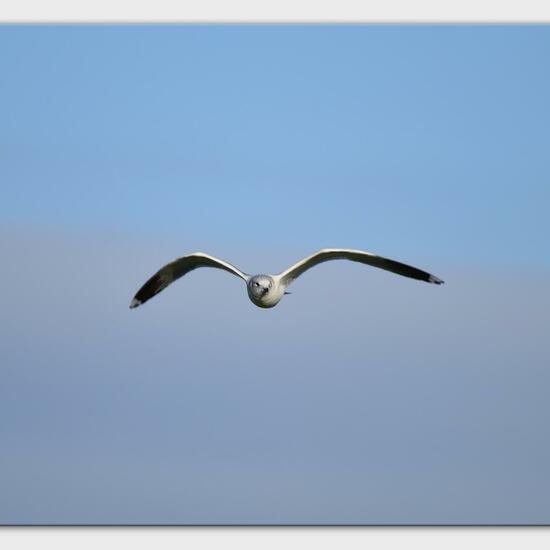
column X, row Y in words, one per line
column 424, row 140
column 363, row 397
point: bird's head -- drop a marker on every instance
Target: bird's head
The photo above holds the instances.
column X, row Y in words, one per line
column 259, row 286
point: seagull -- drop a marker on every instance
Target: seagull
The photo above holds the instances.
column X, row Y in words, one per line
column 266, row 291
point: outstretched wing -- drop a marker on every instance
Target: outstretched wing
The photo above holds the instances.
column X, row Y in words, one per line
column 355, row 256
column 176, row 269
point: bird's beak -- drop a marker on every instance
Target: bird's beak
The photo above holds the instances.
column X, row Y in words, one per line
column 288, row 292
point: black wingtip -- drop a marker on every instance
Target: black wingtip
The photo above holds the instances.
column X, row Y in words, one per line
column 436, row 280
column 151, row 288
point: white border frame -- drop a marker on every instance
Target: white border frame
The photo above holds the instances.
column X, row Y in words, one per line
column 273, row 538
column 275, row 11
column 281, row 11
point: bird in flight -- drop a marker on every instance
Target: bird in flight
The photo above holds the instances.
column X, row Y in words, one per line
column 267, row 290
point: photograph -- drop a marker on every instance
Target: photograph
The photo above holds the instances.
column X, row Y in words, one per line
column 274, row 274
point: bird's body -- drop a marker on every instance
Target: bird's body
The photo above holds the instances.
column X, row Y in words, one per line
column 266, row 291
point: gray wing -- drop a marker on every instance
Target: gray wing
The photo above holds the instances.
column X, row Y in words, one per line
column 176, row 269
column 355, row 256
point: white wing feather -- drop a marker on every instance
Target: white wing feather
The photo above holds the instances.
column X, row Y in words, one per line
column 368, row 258
column 178, row 268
